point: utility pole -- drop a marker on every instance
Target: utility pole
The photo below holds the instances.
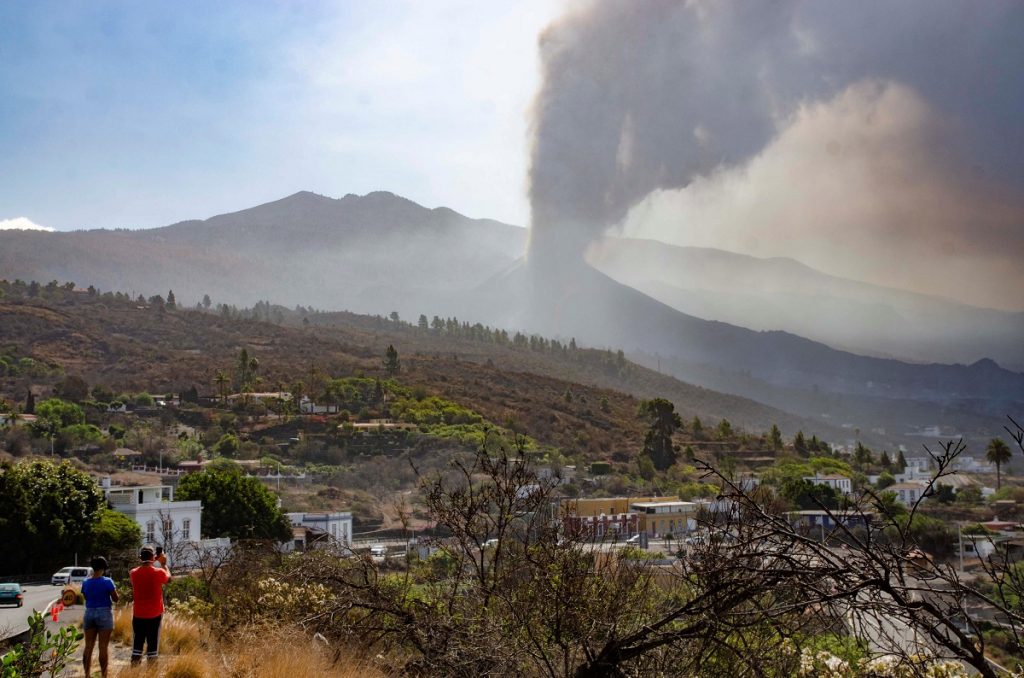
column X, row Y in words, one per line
column 960, row 541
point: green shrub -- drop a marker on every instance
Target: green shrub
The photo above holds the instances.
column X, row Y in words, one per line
column 180, row 589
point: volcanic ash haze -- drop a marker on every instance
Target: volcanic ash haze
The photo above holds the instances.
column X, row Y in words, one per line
column 648, row 96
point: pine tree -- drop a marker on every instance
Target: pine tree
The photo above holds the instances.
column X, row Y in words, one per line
column 885, row 461
column 171, row 302
column 664, row 422
column 800, row 444
column 392, row 365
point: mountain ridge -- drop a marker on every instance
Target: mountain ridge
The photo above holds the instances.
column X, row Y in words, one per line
column 783, row 293
column 380, row 252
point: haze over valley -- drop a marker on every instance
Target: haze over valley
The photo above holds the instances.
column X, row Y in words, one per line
column 682, row 311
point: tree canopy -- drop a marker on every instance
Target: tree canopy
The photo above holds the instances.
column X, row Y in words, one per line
column 49, row 514
column 664, row 422
column 392, row 364
column 60, row 413
column 234, row 505
column 114, row 532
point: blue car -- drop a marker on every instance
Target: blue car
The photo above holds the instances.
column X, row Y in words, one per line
column 11, row 594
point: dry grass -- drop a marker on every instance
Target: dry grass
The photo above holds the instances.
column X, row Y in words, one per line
column 122, row 626
column 179, row 635
column 187, row 652
column 291, row 654
column 191, row 665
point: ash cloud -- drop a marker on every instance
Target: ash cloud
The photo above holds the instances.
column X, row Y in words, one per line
column 645, row 95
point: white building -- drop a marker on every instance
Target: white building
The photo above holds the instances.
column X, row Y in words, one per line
column 335, row 527
column 839, row 483
column 969, row 464
column 921, row 464
column 163, row 521
column 907, row 493
column 307, row 406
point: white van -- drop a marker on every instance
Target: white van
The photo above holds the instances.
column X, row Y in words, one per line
column 378, row 551
column 72, row 574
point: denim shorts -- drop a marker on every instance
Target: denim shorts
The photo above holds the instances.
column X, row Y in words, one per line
column 99, row 618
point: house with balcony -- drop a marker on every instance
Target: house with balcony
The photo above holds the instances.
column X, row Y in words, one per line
column 661, row 518
column 908, row 493
column 320, row 530
column 163, row 521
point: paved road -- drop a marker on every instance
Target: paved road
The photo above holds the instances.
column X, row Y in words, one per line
column 12, row 619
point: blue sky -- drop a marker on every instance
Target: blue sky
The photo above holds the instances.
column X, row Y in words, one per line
column 128, row 114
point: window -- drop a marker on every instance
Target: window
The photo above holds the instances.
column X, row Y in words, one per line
column 168, row 529
column 186, row 529
column 150, row 531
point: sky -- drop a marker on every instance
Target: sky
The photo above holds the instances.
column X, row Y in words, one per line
column 878, row 141
column 128, row 114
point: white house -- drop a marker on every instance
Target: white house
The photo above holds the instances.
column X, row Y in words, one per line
column 839, row 483
column 259, row 397
column 921, row 464
column 969, row 464
column 164, row 522
column 307, row 406
column 336, row 527
column 907, row 493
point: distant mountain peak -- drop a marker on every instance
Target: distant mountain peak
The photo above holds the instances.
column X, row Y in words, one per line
column 985, row 364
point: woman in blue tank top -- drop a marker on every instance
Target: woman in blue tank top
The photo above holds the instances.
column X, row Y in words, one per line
column 100, row 595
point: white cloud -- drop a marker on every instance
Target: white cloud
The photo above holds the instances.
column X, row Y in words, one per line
column 22, row 223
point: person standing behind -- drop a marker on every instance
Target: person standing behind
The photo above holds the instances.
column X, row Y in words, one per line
column 100, row 595
column 148, row 606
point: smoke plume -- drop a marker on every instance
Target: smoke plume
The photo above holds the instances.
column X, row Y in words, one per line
column 642, row 95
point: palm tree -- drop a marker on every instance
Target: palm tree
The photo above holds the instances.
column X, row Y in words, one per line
column 221, row 380
column 998, row 453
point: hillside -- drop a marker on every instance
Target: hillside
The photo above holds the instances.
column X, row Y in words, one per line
column 792, row 373
column 129, row 347
column 380, row 252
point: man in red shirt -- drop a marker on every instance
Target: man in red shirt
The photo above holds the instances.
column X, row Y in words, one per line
column 148, row 606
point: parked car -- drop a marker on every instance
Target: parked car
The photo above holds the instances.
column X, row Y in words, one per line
column 491, row 543
column 635, row 539
column 378, row 551
column 70, row 575
column 11, row 594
